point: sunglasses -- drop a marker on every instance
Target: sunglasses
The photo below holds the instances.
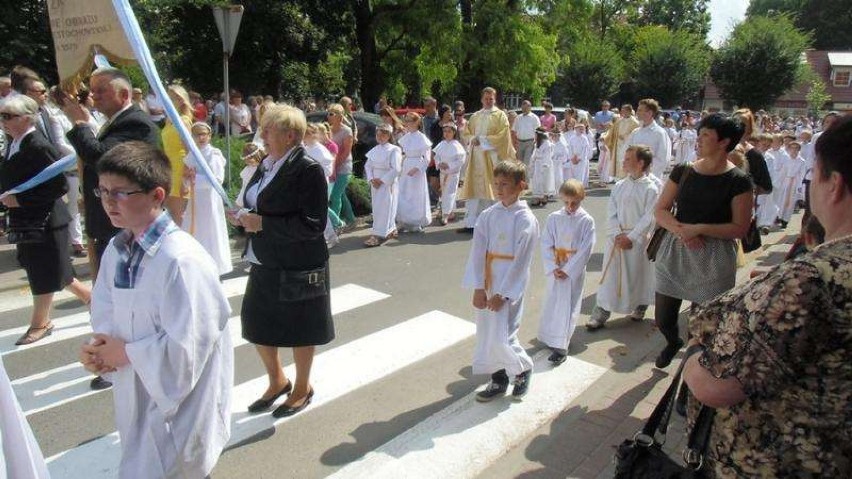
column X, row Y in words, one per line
column 40, row 92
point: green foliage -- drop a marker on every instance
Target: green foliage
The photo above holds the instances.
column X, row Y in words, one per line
column 669, row 66
column 26, row 38
column 237, row 163
column 569, row 20
column 817, row 96
column 687, row 15
column 759, row 61
column 358, row 192
column 594, row 74
column 827, row 20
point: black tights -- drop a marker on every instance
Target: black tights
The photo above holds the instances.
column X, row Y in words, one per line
column 666, row 313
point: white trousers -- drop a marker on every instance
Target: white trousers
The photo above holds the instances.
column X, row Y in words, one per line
column 73, row 194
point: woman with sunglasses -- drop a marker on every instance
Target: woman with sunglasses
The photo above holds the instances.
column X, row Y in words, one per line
column 38, row 218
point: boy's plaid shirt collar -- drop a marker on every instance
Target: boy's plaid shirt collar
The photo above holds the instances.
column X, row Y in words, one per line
column 130, row 252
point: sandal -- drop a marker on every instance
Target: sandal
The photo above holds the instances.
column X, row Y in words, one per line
column 393, row 235
column 372, row 242
column 35, row 334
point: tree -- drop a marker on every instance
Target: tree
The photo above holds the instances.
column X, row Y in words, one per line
column 688, row 15
column 827, row 20
column 569, row 20
column 26, row 38
column 669, row 66
column 594, row 74
column 759, row 61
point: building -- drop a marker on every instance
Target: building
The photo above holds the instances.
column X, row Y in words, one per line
column 833, row 67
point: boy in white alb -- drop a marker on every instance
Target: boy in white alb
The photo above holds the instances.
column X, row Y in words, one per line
column 566, row 245
column 579, row 152
column 160, row 318
column 767, row 208
column 449, row 159
column 792, row 173
column 498, row 270
column 628, row 282
column 384, row 163
column 543, row 185
column 206, row 211
column 560, row 155
column 414, row 211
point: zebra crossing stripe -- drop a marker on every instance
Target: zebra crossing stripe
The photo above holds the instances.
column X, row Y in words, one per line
column 336, row 372
column 70, row 382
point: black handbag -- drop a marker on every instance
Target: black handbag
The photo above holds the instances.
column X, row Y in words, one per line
column 642, row 457
column 303, row 285
column 751, row 241
column 659, row 232
column 27, row 233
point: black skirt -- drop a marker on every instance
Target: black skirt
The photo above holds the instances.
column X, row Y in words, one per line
column 48, row 265
column 269, row 321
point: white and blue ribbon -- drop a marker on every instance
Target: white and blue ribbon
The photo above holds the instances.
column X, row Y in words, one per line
column 146, row 61
column 54, row 169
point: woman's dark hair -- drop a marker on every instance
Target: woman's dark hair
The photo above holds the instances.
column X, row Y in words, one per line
column 444, row 109
column 834, row 150
column 726, row 128
column 139, row 163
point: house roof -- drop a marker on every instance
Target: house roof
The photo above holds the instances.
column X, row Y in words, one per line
column 840, row 59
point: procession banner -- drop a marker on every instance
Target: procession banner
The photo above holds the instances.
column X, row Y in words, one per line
column 80, row 29
column 54, row 169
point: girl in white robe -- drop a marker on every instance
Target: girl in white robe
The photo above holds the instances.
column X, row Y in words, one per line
column 206, row 209
column 566, row 245
column 543, row 181
column 604, row 156
column 685, row 145
column 382, row 169
column 560, row 156
column 792, row 173
column 627, row 284
column 414, row 211
column 501, row 252
column 579, row 152
column 449, row 159
column 318, row 152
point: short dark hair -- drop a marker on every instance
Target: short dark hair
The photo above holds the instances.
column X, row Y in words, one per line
column 834, row 150
column 644, row 154
column 21, row 76
column 514, row 170
column 726, row 128
column 139, row 162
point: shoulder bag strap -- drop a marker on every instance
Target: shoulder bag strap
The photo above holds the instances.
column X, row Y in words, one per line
column 655, row 428
column 699, row 438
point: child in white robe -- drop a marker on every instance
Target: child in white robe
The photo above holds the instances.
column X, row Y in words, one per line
column 498, row 271
column 414, row 211
column 685, row 144
column 767, row 209
column 318, row 152
column 449, row 159
column 604, row 156
column 566, row 245
column 252, row 155
column 579, row 152
column 560, row 155
column 627, row 285
column 206, row 209
column 160, row 319
column 792, row 173
column 543, row 181
column 382, row 169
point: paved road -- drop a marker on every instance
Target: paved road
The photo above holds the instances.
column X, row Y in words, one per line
column 393, row 391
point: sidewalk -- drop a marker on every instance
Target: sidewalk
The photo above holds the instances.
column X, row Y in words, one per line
column 581, row 441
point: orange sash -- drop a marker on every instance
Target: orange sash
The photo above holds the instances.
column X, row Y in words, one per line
column 562, row 255
column 489, row 258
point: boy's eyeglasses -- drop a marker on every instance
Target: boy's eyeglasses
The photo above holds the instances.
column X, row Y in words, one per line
column 104, row 194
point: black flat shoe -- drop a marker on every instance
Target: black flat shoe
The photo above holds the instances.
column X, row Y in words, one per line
column 284, row 410
column 263, row 404
column 99, row 383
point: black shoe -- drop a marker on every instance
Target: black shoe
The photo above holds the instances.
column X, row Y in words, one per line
column 522, row 384
column 557, row 358
column 465, row 231
column 99, row 383
column 783, row 225
column 263, row 404
column 667, row 354
column 284, row 410
column 497, row 387
column 764, row 230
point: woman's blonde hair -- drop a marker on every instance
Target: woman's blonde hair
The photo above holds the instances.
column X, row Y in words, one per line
column 185, row 109
column 337, row 109
column 747, row 117
column 283, row 118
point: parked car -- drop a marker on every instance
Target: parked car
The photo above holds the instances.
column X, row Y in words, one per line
column 367, row 123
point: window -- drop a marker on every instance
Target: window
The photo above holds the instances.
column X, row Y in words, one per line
column 842, row 77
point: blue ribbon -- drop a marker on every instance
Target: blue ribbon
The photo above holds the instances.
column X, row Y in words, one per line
column 55, row 169
column 143, row 56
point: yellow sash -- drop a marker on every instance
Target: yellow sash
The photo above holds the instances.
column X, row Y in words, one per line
column 489, row 258
column 562, row 255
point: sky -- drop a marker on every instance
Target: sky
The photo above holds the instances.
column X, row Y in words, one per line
column 723, row 15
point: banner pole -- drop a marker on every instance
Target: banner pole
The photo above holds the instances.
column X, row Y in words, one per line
column 227, row 118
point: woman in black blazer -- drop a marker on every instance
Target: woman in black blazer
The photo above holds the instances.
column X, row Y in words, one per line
column 287, row 300
column 41, row 211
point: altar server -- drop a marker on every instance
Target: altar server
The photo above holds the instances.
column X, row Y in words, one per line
column 792, row 173
column 449, row 159
column 579, row 152
column 382, row 169
column 414, row 211
column 543, row 181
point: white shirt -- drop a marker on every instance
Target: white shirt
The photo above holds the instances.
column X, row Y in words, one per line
column 525, row 125
column 270, row 168
column 154, row 103
column 16, row 143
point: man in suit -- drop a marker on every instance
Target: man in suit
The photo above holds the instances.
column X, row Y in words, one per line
column 112, row 95
column 111, row 92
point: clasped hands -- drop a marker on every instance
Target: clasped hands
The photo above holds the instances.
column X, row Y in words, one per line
column 690, row 235
column 103, row 354
column 482, row 301
column 252, row 222
column 622, row 241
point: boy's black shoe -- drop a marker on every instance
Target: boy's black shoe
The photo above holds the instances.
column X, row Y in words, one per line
column 522, row 384
column 557, row 358
column 497, row 387
column 667, row 354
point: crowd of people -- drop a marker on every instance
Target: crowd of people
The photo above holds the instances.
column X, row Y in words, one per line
column 687, row 188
